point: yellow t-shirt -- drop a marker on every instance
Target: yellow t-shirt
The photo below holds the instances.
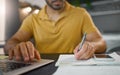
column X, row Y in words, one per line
column 60, row 36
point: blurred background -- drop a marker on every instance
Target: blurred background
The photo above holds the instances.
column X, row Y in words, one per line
column 105, row 14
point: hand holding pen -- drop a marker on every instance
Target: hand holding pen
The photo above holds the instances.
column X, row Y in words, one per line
column 85, row 49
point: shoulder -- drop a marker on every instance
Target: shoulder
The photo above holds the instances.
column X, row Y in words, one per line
column 79, row 10
column 32, row 16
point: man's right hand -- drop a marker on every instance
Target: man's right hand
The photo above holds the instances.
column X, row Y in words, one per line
column 25, row 51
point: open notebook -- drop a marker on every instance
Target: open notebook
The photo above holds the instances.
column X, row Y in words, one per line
column 69, row 59
column 68, row 65
column 11, row 67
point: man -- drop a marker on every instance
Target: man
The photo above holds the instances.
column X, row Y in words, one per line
column 57, row 28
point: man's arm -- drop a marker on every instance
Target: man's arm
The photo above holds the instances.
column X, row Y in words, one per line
column 94, row 44
column 18, row 46
column 20, row 36
column 98, row 42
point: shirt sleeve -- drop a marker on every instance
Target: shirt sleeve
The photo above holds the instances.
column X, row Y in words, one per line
column 88, row 24
column 27, row 24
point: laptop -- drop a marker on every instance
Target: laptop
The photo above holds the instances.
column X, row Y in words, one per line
column 11, row 67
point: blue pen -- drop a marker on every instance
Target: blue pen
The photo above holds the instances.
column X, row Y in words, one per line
column 82, row 42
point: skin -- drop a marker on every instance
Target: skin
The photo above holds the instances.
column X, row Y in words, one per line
column 94, row 44
column 19, row 46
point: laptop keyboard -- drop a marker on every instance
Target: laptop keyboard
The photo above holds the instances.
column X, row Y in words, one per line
column 9, row 66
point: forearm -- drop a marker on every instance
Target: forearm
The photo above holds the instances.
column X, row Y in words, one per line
column 20, row 36
column 100, row 46
column 10, row 44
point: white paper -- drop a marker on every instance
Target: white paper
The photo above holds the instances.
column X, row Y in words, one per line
column 115, row 56
column 88, row 70
column 70, row 60
column 68, row 65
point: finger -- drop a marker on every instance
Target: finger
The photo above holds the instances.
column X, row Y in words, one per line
column 17, row 53
column 11, row 54
column 30, row 49
column 87, row 54
column 82, row 51
column 76, row 49
column 91, row 51
column 24, row 51
column 76, row 52
column 37, row 55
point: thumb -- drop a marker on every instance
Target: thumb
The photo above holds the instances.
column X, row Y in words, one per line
column 76, row 49
column 37, row 55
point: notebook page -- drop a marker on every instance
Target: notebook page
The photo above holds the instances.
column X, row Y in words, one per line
column 69, row 59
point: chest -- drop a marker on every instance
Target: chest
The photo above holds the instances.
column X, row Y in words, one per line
column 65, row 29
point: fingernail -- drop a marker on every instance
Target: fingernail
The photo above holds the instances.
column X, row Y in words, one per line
column 17, row 58
column 31, row 57
column 26, row 59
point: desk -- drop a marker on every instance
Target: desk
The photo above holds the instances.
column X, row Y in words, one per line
column 48, row 69
column 45, row 70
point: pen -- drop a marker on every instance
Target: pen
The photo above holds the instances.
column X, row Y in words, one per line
column 82, row 42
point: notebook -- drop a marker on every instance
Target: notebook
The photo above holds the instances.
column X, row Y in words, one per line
column 68, row 65
column 11, row 67
column 69, row 59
